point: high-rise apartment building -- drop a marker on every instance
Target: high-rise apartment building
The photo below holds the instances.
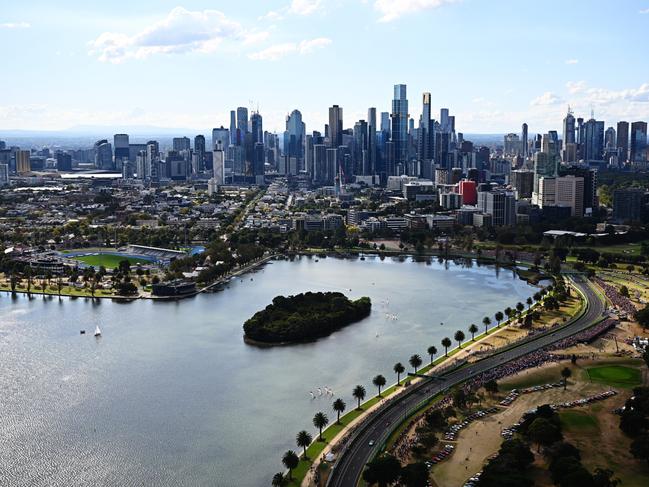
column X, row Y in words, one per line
column 638, row 146
column 623, row 141
column 23, row 161
column 399, row 125
column 335, row 126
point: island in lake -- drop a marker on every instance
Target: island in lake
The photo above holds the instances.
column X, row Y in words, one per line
column 304, row 317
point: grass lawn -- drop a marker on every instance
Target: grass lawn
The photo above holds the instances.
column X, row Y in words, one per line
column 109, row 261
column 615, row 375
column 578, row 421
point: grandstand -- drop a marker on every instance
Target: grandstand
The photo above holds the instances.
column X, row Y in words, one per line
column 158, row 254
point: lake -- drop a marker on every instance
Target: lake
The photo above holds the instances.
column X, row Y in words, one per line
column 170, row 394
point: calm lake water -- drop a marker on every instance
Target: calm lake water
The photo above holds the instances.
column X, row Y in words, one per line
column 170, row 395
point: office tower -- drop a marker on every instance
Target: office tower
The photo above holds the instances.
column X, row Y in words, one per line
column 152, row 162
column 121, row 145
column 524, row 142
column 638, row 147
column 399, row 125
column 335, row 126
column 218, row 163
column 628, row 204
column 181, row 144
column 565, row 191
column 3, row 145
column 4, row 175
column 371, row 140
column 134, row 150
column 23, row 161
column 545, row 165
column 425, row 138
column 221, row 135
column 610, row 139
column 360, row 159
column 319, row 175
column 512, row 145
column 501, row 205
column 242, row 122
column 590, row 184
column 444, row 120
column 103, row 155
column 550, row 143
column 63, row 161
column 593, row 142
column 294, row 136
column 308, row 155
column 258, row 163
column 568, row 128
column 256, row 127
column 523, row 182
column 198, row 157
column 623, row 141
column 233, row 127
column 331, row 170
column 385, row 123
column 468, row 191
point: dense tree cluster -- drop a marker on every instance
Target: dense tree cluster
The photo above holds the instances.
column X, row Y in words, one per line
column 305, row 316
column 634, row 421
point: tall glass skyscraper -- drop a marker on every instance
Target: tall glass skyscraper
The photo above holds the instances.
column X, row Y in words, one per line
column 399, row 118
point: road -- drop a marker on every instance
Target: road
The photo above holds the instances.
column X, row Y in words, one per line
column 352, row 460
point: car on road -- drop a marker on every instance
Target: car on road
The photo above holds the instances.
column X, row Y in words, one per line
column 371, row 442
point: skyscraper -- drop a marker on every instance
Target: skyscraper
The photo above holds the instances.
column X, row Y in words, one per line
column 335, row 126
column 198, row 157
column 593, row 143
column 242, row 121
column 23, row 161
column 568, row 129
column 623, row 141
column 181, row 144
column 638, row 147
column 294, row 137
column 399, row 118
column 425, row 138
column 371, row 140
column 524, row 142
column 121, row 145
column 233, row 127
column 103, row 155
column 256, row 127
column 221, row 135
column 385, row 123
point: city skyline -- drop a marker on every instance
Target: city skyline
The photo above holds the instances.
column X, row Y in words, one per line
column 188, row 51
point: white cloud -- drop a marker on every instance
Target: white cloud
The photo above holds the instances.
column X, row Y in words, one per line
column 576, row 86
column 572, row 61
column 255, row 37
column 547, row 98
column 644, row 11
column 271, row 16
column 393, row 9
column 15, row 25
column 278, row 51
column 181, row 31
column 304, row 7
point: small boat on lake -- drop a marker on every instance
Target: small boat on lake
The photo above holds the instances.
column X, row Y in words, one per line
column 97, row 331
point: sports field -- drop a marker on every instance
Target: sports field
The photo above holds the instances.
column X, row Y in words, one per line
column 615, row 375
column 109, row 261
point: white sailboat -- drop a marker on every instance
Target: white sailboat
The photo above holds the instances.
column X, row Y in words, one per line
column 97, row 331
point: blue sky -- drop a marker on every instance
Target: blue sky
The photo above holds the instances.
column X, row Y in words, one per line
column 494, row 63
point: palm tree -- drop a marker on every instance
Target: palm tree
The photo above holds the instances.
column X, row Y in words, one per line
column 398, row 369
column 290, row 461
column 459, row 338
column 320, row 420
column 486, row 321
column 499, row 317
column 302, row 440
column 278, row 480
column 415, row 361
column 508, row 312
column 359, row 394
column 432, row 351
column 446, row 342
column 379, row 381
column 537, row 296
column 59, row 285
column 529, row 302
column 565, row 373
column 339, row 406
column 520, row 307
column 473, row 330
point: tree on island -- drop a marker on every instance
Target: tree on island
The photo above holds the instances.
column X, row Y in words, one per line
column 473, row 330
column 486, row 321
column 415, row 361
column 459, row 338
column 339, row 406
column 446, row 342
column 398, row 369
column 379, row 381
column 499, row 317
column 432, row 350
column 303, row 440
column 290, row 461
column 320, row 420
column 359, row 394
column 565, row 373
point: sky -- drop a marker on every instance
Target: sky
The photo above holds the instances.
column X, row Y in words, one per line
column 494, row 63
